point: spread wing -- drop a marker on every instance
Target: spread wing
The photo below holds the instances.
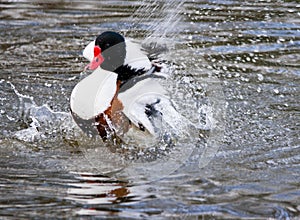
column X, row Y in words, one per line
column 136, row 57
column 93, row 95
column 139, row 101
column 147, row 105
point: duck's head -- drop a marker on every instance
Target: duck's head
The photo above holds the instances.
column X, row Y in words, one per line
column 108, row 51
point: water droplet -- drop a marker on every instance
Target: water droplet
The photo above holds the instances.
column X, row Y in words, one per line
column 258, row 90
column 10, row 118
column 48, row 85
column 260, row 77
column 237, row 75
column 244, row 79
column 271, row 162
column 276, row 91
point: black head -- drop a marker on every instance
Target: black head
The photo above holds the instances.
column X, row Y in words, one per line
column 113, row 50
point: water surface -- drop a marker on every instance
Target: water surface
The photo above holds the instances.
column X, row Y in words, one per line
column 241, row 59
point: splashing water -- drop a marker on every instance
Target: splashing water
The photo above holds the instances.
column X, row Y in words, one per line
column 206, row 108
column 167, row 14
column 174, row 146
column 159, row 36
column 162, row 158
column 42, row 123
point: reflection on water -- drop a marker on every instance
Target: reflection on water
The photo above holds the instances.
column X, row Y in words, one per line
column 94, row 189
column 250, row 49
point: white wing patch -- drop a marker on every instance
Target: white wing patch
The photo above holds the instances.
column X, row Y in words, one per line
column 135, row 57
column 93, row 95
column 145, row 92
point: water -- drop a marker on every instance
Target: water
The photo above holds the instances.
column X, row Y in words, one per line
column 237, row 70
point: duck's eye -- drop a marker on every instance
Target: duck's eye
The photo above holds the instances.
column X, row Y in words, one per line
column 97, row 60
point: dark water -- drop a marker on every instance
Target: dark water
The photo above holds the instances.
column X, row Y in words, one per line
column 240, row 58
